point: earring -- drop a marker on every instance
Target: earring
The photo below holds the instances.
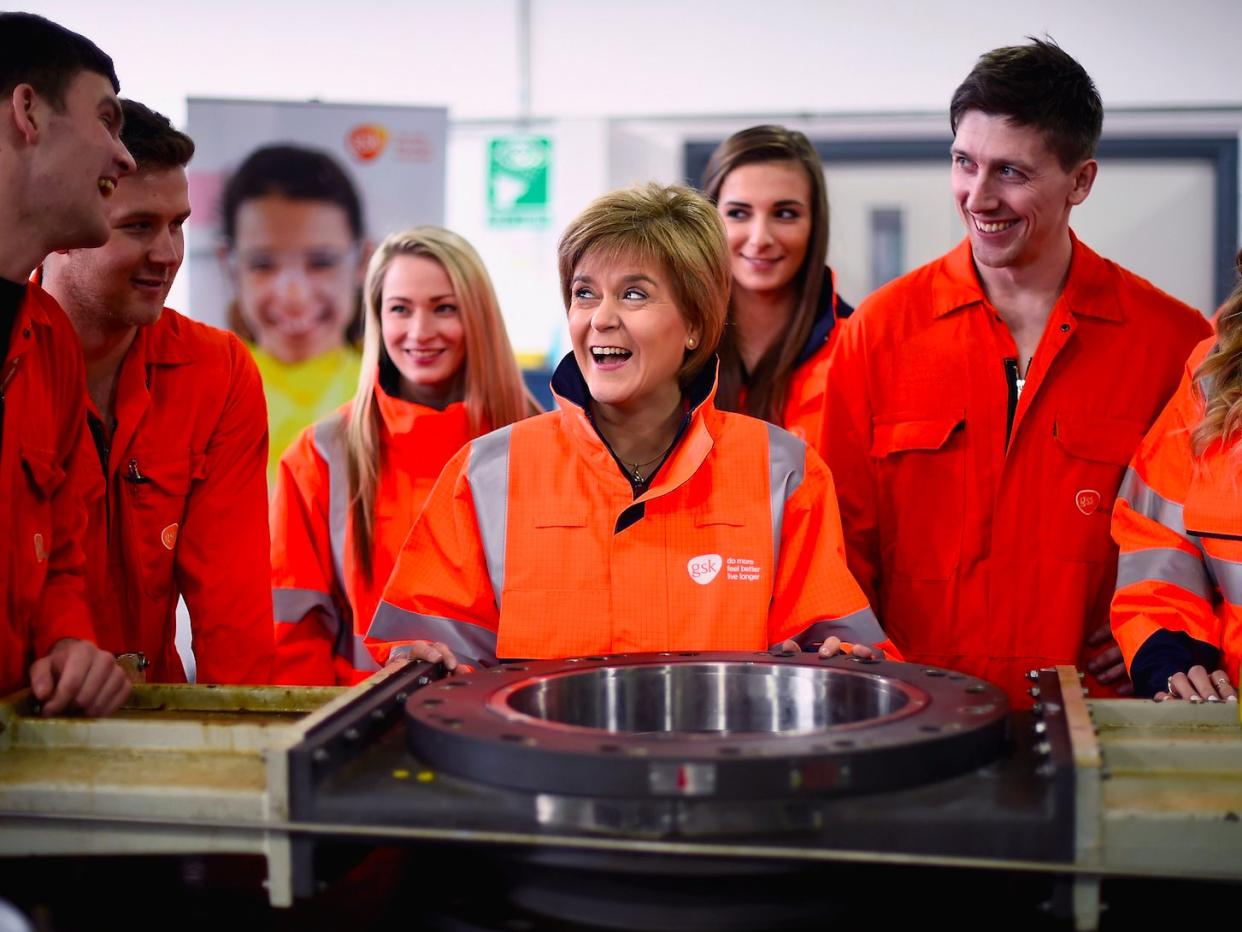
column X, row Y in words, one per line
column 691, row 343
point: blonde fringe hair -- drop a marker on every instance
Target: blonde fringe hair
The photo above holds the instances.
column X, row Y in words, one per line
column 494, row 394
column 1221, row 374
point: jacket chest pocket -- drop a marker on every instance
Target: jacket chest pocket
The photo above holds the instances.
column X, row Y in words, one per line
column 921, row 472
column 1082, row 485
column 36, row 531
column 153, row 496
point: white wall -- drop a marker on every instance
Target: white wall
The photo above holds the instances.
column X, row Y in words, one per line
column 591, row 58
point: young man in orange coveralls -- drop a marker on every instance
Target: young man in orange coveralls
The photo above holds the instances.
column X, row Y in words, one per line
column 177, row 495
column 981, row 410
column 60, row 160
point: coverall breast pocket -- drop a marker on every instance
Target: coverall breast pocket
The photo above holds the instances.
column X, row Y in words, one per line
column 156, row 495
column 921, row 471
column 1096, row 451
column 43, row 477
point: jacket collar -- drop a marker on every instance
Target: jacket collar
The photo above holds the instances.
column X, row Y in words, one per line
column 400, row 417
column 1089, row 289
column 831, row 309
column 572, row 395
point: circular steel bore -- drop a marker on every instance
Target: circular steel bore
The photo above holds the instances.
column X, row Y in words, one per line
column 716, row 725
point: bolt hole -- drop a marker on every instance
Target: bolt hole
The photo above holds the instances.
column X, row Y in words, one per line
column 975, row 688
column 688, row 653
column 932, row 671
column 455, row 684
column 596, row 659
column 930, row 729
column 516, row 739
column 433, row 702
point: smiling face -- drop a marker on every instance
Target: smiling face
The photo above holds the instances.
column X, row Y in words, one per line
column 628, row 334
column 1012, row 192
column 296, row 268
column 766, row 208
column 81, row 163
column 125, row 282
column 422, row 329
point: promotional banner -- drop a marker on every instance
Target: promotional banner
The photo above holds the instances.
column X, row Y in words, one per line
column 289, row 199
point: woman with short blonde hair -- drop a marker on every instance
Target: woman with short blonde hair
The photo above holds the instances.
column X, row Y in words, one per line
column 637, row 517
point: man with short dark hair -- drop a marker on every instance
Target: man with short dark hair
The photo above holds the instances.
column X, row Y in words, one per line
column 60, row 160
column 984, row 407
column 177, row 497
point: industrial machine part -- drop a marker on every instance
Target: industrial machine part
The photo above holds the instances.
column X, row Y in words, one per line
column 1082, row 793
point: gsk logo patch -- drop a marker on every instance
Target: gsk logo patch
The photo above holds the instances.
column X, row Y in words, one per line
column 40, row 550
column 367, row 141
column 703, row 569
column 168, row 537
column 1087, row 500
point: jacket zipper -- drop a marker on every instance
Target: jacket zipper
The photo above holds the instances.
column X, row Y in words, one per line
column 1011, row 379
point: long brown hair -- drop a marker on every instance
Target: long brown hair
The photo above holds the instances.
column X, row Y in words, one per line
column 768, row 386
column 495, row 394
column 1219, row 376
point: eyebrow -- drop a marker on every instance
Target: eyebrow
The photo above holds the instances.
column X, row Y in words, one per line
column 447, row 296
column 1026, row 167
column 132, row 216
column 784, row 202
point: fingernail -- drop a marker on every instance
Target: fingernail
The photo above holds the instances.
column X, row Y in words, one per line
column 1195, row 699
column 1232, row 699
column 1213, row 699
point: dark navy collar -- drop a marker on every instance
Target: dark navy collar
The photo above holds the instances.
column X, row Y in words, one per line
column 830, row 310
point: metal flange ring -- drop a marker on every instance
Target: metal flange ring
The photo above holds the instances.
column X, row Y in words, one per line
column 728, row 725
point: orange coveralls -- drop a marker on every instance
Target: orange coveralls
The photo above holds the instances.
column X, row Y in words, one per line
column 533, row 545
column 323, row 601
column 1178, row 523
column 977, row 519
column 180, row 508
column 43, row 453
column 804, row 407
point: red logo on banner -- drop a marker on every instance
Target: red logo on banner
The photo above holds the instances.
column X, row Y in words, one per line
column 1088, row 500
column 367, row 141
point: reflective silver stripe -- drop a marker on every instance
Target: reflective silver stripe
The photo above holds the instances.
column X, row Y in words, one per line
column 488, row 475
column 1166, row 564
column 1150, row 503
column 360, row 658
column 860, row 627
column 786, row 467
column 1228, row 577
column 471, row 643
column 289, row 606
column 330, row 444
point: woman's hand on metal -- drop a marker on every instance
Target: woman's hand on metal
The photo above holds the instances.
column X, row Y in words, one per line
column 1197, row 685
column 431, row 652
column 834, row 645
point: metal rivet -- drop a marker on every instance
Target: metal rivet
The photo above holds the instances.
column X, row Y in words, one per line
column 351, row 734
column 1033, row 692
column 1065, row 328
column 320, row 756
column 377, row 714
column 402, row 697
column 424, row 680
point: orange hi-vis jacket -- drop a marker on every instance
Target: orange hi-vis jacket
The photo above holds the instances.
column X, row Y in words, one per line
column 44, row 452
column 976, row 516
column 323, row 600
column 804, row 407
column 533, row 545
column 1178, row 523
column 180, row 508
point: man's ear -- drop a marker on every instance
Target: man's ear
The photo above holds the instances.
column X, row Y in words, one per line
column 25, row 112
column 1084, row 178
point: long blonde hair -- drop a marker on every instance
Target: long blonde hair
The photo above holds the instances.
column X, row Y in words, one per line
column 1219, row 376
column 494, row 392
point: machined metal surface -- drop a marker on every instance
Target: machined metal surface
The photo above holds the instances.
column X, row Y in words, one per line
column 728, row 725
